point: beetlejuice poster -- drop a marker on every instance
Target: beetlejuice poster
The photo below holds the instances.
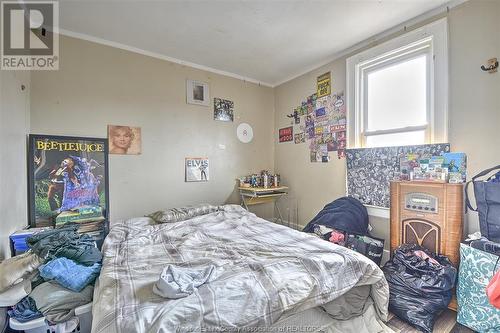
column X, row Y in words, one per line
column 66, row 173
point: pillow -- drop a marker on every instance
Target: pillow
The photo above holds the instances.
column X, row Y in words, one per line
column 181, row 214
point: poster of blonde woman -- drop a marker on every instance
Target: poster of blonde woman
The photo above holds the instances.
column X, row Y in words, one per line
column 124, row 140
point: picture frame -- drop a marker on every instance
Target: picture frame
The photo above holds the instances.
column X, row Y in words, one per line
column 124, row 140
column 51, row 184
column 197, row 169
column 197, row 92
column 223, row 110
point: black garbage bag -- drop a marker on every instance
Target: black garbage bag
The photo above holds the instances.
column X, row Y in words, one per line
column 420, row 285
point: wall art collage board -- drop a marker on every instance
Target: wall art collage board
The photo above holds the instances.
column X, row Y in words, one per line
column 320, row 120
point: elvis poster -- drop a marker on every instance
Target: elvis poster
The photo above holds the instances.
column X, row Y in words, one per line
column 197, row 169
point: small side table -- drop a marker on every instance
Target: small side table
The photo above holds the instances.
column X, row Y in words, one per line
column 259, row 195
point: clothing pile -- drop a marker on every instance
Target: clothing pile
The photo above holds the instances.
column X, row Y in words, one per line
column 51, row 279
column 345, row 222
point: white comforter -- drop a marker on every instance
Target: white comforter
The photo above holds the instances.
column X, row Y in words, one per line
column 264, row 273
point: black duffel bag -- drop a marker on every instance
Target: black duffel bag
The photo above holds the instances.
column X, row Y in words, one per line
column 487, row 194
column 419, row 288
column 370, row 247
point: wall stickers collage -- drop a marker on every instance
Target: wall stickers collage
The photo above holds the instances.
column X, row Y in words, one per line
column 320, row 120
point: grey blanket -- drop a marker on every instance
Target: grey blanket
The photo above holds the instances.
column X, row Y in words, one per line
column 263, row 272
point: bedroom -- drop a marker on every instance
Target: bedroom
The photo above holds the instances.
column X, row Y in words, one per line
column 266, row 58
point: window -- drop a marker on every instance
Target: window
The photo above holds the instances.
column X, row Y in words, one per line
column 397, row 92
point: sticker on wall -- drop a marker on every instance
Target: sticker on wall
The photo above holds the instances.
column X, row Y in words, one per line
column 223, row 109
column 124, row 140
column 300, row 137
column 323, row 85
column 286, row 134
column 197, row 169
column 244, row 132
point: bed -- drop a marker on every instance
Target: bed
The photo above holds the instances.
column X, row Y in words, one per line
column 266, row 276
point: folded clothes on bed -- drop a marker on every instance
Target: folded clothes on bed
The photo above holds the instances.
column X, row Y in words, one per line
column 25, row 310
column 177, row 282
column 69, row 274
column 65, row 242
column 57, row 303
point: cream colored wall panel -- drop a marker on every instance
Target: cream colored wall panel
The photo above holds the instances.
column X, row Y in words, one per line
column 99, row 85
column 474, row 112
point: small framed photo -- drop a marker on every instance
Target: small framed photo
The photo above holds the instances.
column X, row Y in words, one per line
column 197, row 92
column 197, row 169
column 124, row 140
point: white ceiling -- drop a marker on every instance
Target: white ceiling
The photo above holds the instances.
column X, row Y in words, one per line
column 267, row 41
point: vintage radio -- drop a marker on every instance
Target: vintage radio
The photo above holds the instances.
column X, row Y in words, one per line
column 428, row 214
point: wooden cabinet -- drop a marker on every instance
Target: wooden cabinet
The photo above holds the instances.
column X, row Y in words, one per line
column 428, row 214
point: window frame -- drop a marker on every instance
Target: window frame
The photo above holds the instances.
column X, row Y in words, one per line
column 432, row 40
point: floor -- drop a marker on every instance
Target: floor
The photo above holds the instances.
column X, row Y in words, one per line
column 446, row 323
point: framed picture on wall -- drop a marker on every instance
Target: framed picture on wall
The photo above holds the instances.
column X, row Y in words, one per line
column 66, row 173
column 197, row 92
column 197, row 169
column 124, row 140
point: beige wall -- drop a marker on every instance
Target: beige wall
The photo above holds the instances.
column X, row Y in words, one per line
column 474, row 112
column 99, row 85
column 475, row 95
column 14, row 124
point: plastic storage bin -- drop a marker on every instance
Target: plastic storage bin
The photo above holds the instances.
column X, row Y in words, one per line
column 84, row 313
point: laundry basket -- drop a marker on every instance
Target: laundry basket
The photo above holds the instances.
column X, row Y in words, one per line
column 84, row 314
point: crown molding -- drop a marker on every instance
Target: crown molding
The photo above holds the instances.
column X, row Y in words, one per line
column 399, row 28
column 129, row 48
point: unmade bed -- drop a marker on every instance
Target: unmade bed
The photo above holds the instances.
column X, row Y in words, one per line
column 266, row 276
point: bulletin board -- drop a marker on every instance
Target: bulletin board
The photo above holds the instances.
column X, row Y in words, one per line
column 369, row 170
